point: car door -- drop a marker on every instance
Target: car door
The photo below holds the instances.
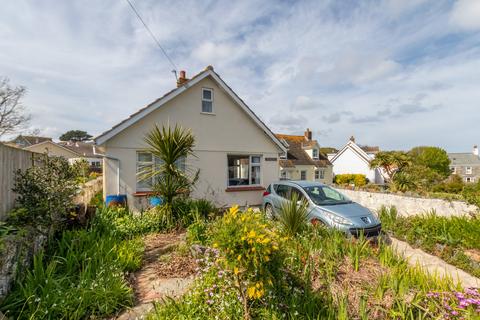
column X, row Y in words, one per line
column 282, row 192
column 301, row 197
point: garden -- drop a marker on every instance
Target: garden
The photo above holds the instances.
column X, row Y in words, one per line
column 245, row 266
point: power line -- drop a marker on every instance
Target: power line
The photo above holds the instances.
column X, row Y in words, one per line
column 153, row 37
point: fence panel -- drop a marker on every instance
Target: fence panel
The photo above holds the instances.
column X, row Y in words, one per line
column 11, row 159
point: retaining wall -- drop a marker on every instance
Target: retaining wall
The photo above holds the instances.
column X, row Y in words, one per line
column 408, row 206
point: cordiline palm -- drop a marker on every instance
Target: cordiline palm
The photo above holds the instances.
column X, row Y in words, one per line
column 171, row 147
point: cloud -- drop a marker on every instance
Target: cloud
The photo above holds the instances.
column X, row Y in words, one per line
column 315, row 64
column 335, row 117
column 466, row 14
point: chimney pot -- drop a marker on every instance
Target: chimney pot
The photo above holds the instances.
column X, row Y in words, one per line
column 352, row 138
column 308, row 134
column 182, row 78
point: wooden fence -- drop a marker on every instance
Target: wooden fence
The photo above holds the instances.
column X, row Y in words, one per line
column 11, row 159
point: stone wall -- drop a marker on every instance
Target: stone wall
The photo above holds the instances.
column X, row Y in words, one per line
column 408, row 206
column 89, row 190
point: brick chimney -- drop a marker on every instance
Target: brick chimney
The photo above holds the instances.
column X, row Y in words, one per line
column 308, row 135
column 182, row 78
column 475, row 150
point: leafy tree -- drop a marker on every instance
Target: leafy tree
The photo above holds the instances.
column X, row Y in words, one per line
column 432, row 157
column 75, row 135
column 171, row 175
column 391, row 162
column 423, row 177
column 12, row 113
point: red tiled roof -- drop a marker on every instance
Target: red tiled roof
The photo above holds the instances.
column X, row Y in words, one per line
column 297, row 155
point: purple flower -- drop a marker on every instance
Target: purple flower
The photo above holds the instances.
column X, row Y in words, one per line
column 209, row 301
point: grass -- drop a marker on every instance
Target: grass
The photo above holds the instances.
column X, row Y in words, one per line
column 80, row 275
column 326, row 276
column 454, row 239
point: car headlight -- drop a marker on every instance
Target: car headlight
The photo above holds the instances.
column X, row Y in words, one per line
column 338, row 219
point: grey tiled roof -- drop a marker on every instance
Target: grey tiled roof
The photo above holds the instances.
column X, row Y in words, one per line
column 464, row 159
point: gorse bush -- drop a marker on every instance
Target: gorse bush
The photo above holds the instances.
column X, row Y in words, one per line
column 249, row 247
column 358, row 180
column 79, row 276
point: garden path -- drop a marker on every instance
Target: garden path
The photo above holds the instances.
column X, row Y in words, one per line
column 433, row 264
column 163, row 274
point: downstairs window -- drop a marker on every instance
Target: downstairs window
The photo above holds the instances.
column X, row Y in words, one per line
column 244, row 170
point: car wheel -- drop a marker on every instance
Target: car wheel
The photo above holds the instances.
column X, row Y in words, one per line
column 269, row 211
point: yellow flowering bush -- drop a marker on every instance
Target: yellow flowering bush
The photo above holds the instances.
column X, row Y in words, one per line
column 250, row 248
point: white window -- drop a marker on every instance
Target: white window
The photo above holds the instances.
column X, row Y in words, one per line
column 283, row 174
column 303, row 175
column 453, row 170
column 322, row 173
column 468, row 170
column 244, row 170
column 146, row 163
column 469, row 179
column 207, row 100
column 317, row 174
column 315, row 153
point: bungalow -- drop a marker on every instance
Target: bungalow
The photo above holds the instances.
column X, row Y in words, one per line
column 354, row 158
column 72, row 151
column 236, row 152
column 304, row 161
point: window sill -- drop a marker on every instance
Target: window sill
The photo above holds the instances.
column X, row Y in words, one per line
column 143, row 193
column 245, row 188
column 208, row 113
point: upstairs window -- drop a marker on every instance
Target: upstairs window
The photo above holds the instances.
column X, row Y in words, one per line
column 315, row 153
column 207, row 100
column 453, row 170
column 468, row 170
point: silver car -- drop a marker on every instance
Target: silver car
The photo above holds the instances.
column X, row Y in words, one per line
column 325, row 205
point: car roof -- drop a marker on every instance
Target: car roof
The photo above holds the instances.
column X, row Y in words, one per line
column 300, row 183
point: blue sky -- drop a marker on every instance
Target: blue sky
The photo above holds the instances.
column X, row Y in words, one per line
column 393, row 73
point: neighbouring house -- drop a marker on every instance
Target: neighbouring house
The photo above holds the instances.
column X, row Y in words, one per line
column 355, row 159
column 303, row 160
column 72, row 151
column 236, row 152
column 466, row 165
column 22, row 141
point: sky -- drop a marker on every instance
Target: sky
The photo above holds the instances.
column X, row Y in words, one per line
column 392, row 73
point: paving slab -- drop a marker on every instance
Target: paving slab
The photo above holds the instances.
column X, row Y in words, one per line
column 433, row 264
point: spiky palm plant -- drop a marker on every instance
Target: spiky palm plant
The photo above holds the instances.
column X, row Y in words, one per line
column 172, row 177
column 293, row 215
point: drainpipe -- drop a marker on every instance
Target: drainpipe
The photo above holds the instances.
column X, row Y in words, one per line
column 118, row 166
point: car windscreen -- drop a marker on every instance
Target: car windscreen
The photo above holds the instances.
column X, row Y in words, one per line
column 324, row 196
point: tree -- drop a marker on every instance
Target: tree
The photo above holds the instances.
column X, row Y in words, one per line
column 172, row 176
column 12, row 112
column 391, row 162
column 75, row 135
column 432, row 157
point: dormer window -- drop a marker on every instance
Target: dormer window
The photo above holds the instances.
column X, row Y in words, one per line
column 315, row 153
column 207, row 100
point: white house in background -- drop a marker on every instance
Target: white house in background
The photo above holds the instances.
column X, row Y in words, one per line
column 353, row 158
column 236, row 152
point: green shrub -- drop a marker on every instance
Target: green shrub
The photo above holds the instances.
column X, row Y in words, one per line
column 45, row 192
column 358, row 180
column 293, row 217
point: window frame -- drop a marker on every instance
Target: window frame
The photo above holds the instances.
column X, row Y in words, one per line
column 251, row 164
column 317, row 174
column 181, row 164
column 313, row 153
column 468, row 170
column 453, row 170
column 207, row 100
column 301, row 172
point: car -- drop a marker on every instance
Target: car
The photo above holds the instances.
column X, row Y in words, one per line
column 325, row 205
